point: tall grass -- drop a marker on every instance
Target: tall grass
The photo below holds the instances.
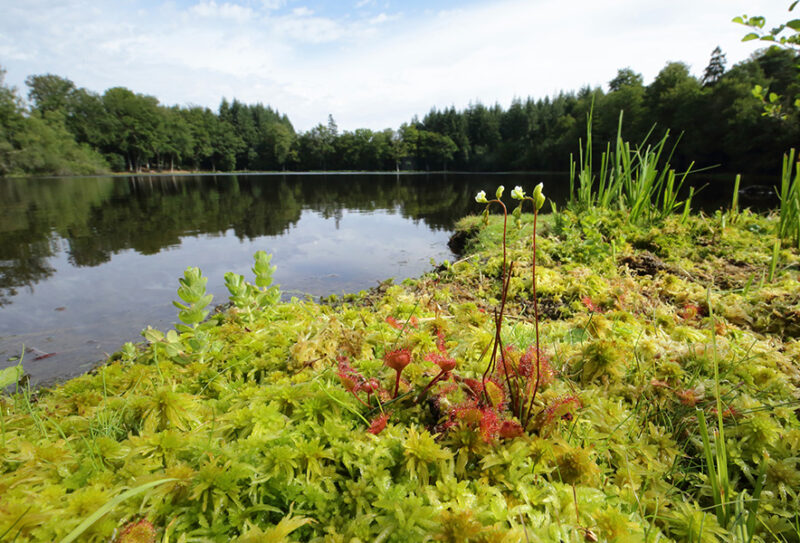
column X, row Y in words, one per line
column 789, row 224
column 636, row 179
column 735, row 510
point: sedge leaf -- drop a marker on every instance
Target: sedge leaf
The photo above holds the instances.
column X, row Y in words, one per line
column 108, row 506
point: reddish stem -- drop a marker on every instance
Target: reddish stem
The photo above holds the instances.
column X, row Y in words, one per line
column 429, row 385
column 359, row 399
column 498, row 318
column 503, row 283
column 397, row 384
column 535, row 320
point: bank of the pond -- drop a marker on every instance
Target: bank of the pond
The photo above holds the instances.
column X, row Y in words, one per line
column 375, row 418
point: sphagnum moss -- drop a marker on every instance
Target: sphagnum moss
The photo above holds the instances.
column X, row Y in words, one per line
column 249, row 417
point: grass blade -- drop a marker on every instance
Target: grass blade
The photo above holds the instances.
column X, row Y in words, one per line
column 108, row 506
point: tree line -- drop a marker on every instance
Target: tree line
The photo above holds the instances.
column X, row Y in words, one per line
column 65, row 129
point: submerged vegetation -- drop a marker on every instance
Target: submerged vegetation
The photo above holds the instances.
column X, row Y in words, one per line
column 580, row 376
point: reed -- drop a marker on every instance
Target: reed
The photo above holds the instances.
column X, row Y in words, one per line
column 635, row 179
column 789, row 223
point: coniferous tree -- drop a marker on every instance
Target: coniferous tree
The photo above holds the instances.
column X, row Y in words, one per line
column 715, row 68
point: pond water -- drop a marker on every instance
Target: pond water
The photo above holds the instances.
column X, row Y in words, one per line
column 87, row 263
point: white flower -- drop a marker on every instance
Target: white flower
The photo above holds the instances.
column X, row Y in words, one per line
column 518, row 193
column 481, row 197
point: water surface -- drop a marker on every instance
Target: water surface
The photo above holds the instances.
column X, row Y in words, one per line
column 87, row 263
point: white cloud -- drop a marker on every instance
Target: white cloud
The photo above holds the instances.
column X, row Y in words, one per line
column 11, row 52
column 225, row 10
column 371, row 70
column 307, row 29
column 383, row 18
column 271, row 5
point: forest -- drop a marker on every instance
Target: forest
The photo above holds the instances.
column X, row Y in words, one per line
column 718, row 119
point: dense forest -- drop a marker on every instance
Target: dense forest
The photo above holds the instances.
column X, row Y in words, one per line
column 64, row 129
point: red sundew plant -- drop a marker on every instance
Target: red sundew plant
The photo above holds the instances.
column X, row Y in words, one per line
column 561, row 409
column 141, row 531
column 688, row 397
column 690, row 312
column 590, row 305
column 510, row 429
column 484, row 419
column 351, row 379
column 378, row 424
column 501, row 403
column 446, row 365
column 393, row 322
column 397, row 359
column 522, row 389
column 413, row 322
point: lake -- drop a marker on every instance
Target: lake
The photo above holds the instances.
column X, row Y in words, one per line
column 87, row 263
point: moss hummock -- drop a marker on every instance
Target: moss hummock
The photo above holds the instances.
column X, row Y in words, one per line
column 283, row 423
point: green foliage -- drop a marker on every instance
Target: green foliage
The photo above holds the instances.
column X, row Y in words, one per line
column 720, row 120
column 256, row 432
column 789, row 224
column 193, row 292
column 785, row 35
column 94, row 517
column 40, row 144
column 10, row 376
column 774, row 35
column 254, row 297
column 635, row 180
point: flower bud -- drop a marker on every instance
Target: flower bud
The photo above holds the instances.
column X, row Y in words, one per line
column 538, row 197
column 499, row 192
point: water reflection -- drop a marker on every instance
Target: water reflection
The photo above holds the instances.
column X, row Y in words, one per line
column 85, row 263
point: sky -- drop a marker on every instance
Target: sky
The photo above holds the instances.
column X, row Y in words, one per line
column 369, row 63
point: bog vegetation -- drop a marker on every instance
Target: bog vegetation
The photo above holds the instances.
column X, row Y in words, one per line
column 593, row 374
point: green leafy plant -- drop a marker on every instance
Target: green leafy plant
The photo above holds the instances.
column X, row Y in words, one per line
column 250, row 297
column 789, row 222
column 786, row 35
column 192, row 291
column 8, row 377
column 11, row 375
column 637, row 180
column 108, row 506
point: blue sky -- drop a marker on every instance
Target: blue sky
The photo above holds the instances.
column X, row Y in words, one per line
column 369, row 63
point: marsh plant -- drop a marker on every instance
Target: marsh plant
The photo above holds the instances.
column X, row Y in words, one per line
column 789, row 223
column 644, row 406
column 637, row 180
column 522, row 384
column 502, row 402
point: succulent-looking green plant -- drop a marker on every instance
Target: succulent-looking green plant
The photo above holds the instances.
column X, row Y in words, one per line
column 193, row 292
column 250, row 297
